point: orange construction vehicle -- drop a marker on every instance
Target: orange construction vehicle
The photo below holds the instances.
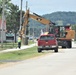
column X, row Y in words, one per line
column 64, row 34
column 27, row 15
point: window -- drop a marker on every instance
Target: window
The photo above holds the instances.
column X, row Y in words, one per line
column 46, row 37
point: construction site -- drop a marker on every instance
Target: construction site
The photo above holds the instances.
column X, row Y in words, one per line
column 34, row 44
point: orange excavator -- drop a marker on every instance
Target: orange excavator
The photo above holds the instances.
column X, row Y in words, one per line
column 64, row 34
column 33, row 16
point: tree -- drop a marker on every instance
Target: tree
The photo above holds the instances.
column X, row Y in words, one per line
column 12, row 15
column 7, row 3
column 13, row 19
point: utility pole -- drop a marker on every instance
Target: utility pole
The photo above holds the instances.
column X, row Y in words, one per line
column 21, row 15
column 24, row 36
column 3, row 7
column 26, row 29
column 26, row 5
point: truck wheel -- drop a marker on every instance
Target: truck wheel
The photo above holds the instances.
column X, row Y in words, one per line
column 56, row 50
column 70, row 44
column 63, row 47
column 39, row 50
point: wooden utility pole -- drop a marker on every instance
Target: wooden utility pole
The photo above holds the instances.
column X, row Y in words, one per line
column 21, row 15
column 26, row 28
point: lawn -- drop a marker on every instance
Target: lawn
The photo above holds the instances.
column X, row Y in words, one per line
column 20, row 55
column 12, row 45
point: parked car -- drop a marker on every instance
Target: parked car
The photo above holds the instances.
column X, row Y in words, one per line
column 47, row 42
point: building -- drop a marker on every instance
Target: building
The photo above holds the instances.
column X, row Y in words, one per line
column 3, row 35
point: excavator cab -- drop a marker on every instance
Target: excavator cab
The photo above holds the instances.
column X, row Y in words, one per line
column 59, row 31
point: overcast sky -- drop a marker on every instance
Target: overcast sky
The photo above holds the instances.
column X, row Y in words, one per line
column 47, row 6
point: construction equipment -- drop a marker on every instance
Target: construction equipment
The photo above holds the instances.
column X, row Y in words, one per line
column 63, row 34
column 27, row 15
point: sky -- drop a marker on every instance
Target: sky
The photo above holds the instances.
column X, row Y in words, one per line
column 42, row 7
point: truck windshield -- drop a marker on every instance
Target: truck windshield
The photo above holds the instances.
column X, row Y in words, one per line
column 46, row 37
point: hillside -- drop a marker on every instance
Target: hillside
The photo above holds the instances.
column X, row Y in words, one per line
column 65, row 17
column 57, row 17
column 60, row 18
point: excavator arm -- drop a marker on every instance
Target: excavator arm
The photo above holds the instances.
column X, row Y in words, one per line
column 40, row 19
column 35, row 17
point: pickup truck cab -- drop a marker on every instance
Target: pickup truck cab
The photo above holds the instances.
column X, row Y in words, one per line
column 47, row 42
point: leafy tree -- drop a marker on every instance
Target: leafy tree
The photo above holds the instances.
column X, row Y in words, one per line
column 7, row 3
column 13, row 19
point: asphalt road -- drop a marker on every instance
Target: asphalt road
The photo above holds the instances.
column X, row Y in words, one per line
column 61, row 63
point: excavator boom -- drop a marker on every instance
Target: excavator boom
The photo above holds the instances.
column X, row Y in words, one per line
column 40, row 19
column 33, row 16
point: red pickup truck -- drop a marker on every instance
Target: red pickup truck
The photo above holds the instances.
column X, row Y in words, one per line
column 47, row 42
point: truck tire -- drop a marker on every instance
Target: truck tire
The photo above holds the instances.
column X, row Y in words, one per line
column 63, row 47
column 69, row 44
column 56, row 50
column 39, row 50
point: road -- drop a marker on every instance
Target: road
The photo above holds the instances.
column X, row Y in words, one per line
column 61, row 63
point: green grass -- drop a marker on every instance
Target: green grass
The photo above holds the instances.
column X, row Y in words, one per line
column 30, row 42
column 20, row 55
column 8, row 46
column 12, row 45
